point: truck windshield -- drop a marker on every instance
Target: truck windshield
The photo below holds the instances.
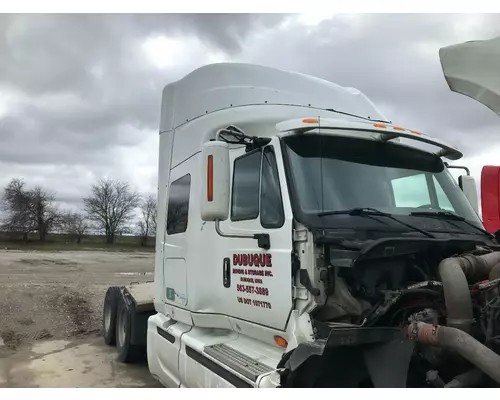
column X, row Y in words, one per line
column 331, row 173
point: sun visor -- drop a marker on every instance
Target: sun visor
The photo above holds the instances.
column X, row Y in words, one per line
column 473, row 69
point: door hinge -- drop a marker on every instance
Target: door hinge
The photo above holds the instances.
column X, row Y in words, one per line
column 299, row 293
column 300, row 235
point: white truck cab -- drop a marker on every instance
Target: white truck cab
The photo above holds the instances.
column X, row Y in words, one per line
column 300, row 232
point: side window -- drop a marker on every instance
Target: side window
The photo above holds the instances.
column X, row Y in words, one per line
column 178, row 205
column 411, row 191
column 246, row 181
column 271, row 203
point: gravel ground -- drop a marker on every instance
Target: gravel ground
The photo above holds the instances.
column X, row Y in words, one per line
column 59, row 295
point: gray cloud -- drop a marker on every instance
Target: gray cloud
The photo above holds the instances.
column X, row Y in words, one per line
column 83, row 101
column 50, row 53
column 83, row 89
column 394, row 60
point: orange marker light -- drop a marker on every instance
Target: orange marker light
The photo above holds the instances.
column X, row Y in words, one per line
column 281, row 342
column 380, row 125
column 416, row 132
column 398, row 128
column 210, row 178
column 310, row 121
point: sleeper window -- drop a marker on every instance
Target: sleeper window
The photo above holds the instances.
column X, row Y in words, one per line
column 178, row 205
column 246, row 180
column 271, row 204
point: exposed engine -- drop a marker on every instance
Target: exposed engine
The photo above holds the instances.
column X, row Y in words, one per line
column 427, row 320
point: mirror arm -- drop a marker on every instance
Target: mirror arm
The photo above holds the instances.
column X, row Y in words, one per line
column 457, row 167
column 263, row 239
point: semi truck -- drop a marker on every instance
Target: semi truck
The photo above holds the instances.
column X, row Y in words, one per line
column 306, row 240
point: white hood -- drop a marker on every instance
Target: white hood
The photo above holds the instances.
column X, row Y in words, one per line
column 473, row 69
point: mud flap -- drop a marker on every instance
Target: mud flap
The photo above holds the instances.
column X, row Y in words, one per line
column 140, row 327
column 139, row 315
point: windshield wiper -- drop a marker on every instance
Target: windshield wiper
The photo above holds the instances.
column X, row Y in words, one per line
column 367, row 211
column 450, row 216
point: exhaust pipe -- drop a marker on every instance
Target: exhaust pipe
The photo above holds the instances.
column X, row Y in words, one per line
column 458, row 341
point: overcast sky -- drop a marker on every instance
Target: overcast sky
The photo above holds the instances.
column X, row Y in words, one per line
column 80, row 95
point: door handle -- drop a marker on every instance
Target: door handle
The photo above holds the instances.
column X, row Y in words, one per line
column 226, row 272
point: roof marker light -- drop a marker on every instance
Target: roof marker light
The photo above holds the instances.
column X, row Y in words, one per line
column 380, row 125
column 310, row 121
column 398, row 128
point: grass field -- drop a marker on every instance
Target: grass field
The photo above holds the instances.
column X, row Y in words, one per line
column 59, row 242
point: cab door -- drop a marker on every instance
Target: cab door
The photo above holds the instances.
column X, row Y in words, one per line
column 257, row 282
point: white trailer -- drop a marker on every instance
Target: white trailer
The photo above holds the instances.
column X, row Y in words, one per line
column 305, row 240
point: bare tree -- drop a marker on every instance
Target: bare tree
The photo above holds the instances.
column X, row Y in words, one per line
column 28, row 211
column 147, row 222
column 45, row 212
column 110, row 206
column 75, row 225
column 154, row 220
column 15, row 204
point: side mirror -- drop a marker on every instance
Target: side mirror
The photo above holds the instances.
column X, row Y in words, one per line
column 468, row 185
column 216, row 181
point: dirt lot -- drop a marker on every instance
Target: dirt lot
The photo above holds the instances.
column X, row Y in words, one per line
column 54, row 299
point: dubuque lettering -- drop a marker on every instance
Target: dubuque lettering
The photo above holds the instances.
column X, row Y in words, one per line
column 252, row 260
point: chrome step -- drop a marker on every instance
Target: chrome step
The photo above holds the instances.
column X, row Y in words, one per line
column 239, row 362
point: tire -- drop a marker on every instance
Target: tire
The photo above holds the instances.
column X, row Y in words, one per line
column 127, row 352
column 110, row 309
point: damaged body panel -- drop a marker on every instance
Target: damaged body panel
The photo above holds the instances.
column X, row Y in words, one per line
column 426, row 313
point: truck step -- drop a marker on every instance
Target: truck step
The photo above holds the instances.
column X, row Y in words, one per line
column 239, row 362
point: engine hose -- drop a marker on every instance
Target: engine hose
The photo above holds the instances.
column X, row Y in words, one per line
column 456, row 294
column 477, row 268
column 458, row 341
column 495, row 274
column 468, row 379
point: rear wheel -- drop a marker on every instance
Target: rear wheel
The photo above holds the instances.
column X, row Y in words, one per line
column 127, row 352
column 109, row 312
